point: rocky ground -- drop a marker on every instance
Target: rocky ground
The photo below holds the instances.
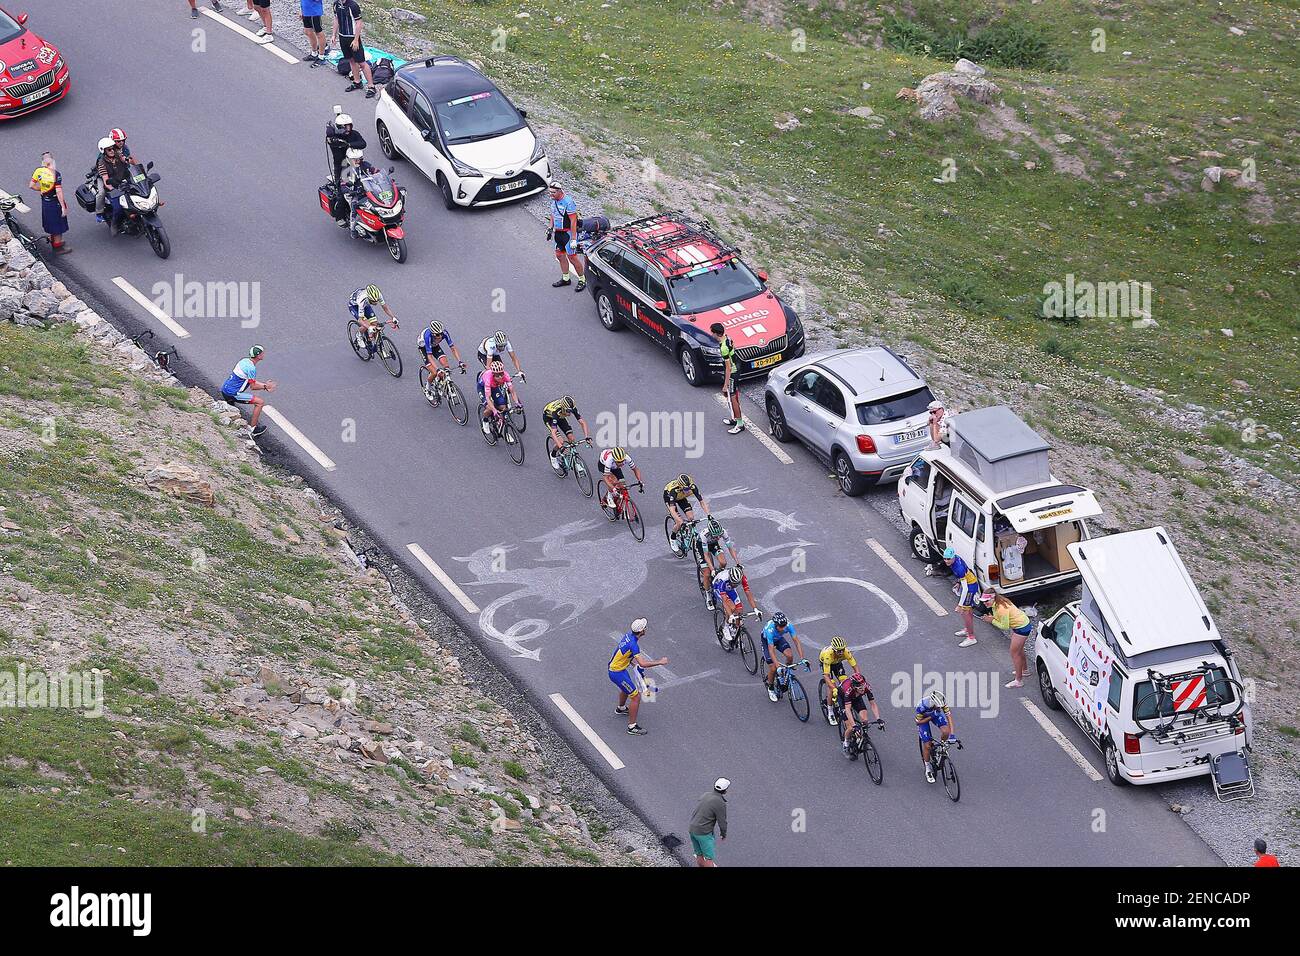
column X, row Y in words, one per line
column 256, row 671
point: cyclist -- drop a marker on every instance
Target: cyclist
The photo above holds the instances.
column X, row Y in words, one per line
column 611, row 463
column 361, row 304
column 430, row 344
column 555, row 416
column 833, row 658
column 777, row 634
column 724, row 587
column 494, row 347
column 495, row 382
column 933, row 709
column 677, row 498
column 855, row 694
column 709, row 543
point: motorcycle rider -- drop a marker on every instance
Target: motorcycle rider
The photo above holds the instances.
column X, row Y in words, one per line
column 118, row 136
column 111, row 173
column 351, row 188
column 339, row 138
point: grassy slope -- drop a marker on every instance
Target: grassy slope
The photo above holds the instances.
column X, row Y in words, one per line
column 985, row 245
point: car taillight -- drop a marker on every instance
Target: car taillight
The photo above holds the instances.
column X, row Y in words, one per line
column 866, row 444
column 1239, row 729
column 994, row 572
column 1132, row 744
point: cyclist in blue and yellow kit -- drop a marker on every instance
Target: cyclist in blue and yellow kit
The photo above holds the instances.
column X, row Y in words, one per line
column 933, row 709
column 625, row 669
column 777, row 634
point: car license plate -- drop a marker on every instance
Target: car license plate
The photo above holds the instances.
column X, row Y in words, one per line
column 33, row 97
column 911, row 436
column 514, row 184
column 769, row 360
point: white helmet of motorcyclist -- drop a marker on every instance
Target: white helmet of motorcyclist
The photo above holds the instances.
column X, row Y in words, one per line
column 355, row 155
column 106, row 143
column 343, row 119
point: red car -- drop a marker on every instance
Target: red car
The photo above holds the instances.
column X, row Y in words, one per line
column 32, row 72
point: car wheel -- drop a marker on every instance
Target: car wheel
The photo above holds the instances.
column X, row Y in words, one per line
column 1112, row 764
column 851, row 483
column 605, row 309
column 921, row 545
column 776, row 421
column 444, row 188
column 691, row 364
column 1046, row 689
column 386, row 142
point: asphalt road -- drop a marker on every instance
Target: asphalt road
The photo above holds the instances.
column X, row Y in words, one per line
column 237, row 135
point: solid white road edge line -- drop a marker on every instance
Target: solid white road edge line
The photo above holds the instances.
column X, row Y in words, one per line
column 917, row 587
column 21, row 207
column 758, row 433
column 305, row 443
column 584, row 728
column 142, row 300
column 260, row 41
column 1059, row 737
column 444, row 579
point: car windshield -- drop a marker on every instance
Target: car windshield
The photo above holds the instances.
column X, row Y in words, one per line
column 479, row 116
column 730, row 282
column 9, row 28
column 895, row 408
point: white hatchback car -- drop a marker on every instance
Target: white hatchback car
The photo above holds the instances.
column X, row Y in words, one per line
column 462, row 132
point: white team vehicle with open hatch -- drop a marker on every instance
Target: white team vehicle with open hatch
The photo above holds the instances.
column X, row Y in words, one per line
column 991, row 497
column 1139, row 665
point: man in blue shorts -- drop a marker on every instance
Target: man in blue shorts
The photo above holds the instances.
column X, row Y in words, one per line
column 778, row 634
column 625, row 670
column 242, row 383
column 564, row 230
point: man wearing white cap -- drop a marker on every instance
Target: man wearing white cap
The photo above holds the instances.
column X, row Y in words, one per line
column 624, row 670
column 710, row 812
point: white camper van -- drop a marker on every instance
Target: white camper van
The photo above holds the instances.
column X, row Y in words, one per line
column 991, row 497
column 1140, row 666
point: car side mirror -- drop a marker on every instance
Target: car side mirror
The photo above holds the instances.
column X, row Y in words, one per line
column 789, row 388
column 524, row 113
column 148, row 166
column 426, row 134
column 391, row 170
column 762, row 274
column 22, row 19
column 661, row 305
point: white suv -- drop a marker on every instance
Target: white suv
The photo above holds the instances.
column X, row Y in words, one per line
column 462, row 132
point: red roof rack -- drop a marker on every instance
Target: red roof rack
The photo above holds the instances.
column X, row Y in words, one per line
column 673, row 242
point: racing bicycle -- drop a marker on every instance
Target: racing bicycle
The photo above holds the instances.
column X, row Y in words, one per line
column 786, row 684
column 685, row 537
column 7, row 206
column 162, row 357
column 571, row 463
column 375, row 342
column 625, row 508
column 860, row 744
column 441, row 389
column 501, row 428
column 942, row 766
column 1157, row 710
column 733, row 634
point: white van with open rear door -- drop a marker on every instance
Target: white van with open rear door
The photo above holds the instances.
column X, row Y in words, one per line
column 991, row 497
column 1141, row 668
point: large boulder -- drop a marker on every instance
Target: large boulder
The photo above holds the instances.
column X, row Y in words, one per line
column 16, row 257
column 41, row 303
column 11, row 301
column 937, row 94
column 180, row 481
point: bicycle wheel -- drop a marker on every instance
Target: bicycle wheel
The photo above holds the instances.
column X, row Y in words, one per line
column 824, row 700
column 718, row 618
column 748, row 653
column 582, row 476
column 871, row 760
column 550, row 456
column 668, row 533
column 456, row 403
column 389, row 355
column 948, row 771
column 492, row 435
column 354, row 330
column 513, row 442
column 798, row 697
column 632, row 515
column 519, row 418
column 430, row 396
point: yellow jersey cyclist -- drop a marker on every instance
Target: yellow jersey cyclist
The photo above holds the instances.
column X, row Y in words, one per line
column 711, row 546
column 833, row 658
column 677, row 499
column 494, row 347
column 430, row 344
column 610, row 464
column 362, row 304
column 555, row 416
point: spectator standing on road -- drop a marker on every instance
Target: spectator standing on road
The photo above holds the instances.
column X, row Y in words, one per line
column 242, row 383
column 1006, row 616
column 248, row 13
column 1262, row 856
column 564, row 230
column 711, row 811
column 730, row 387
column 967, row 590
column 262, row 11
column 349, row 33
column 54, row 207
column 313, row 27
column 194, row 12
column 625, row 669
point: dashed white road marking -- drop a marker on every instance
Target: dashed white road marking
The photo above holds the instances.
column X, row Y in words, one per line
column 305, row 443
column 584, row 728
column 21, row 207
column 758, row 433
column 143, row 301
column 1060, row 738
column 444, row 579
column 260, row 41
column 917, row 588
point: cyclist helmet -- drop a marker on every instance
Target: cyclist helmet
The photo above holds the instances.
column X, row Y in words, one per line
column 737, row 572
column 435, row 327
column 780, row 620
column 117, row 135
column 858, row 683
column 343, row 119
column 498, row 367
column 619, row 454
column 373, row 293
column 255, row 351
column 499, row 338
column 839, row 645
column 685, row 480
column 572, row 406
column 715, row 527
column 106, row 143
column 938, row 700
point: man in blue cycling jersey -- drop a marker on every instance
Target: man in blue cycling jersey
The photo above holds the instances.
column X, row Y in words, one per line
column 778, row 634
column 625, row 669
column 242, row 383
column 430, row 344
column 933, row 709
